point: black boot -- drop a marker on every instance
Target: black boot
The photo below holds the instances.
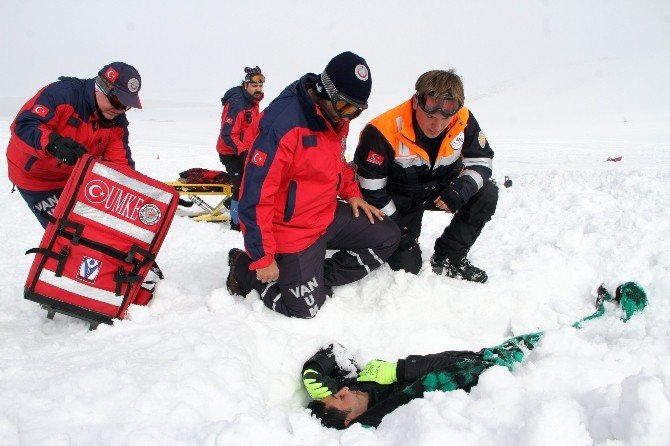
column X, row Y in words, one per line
column 234, row 287
column 458, row 268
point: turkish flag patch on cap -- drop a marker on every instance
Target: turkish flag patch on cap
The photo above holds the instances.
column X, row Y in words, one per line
column 259, row 158
column 375, row 158
column 111, row 74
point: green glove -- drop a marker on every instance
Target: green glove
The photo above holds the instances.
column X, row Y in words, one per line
column 318, row 386
column 379, row 371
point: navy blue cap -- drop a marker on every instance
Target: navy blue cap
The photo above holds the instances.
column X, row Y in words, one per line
column 350, row 74
column 125, row 80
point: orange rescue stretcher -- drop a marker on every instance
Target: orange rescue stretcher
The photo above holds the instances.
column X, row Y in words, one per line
column 196, row 183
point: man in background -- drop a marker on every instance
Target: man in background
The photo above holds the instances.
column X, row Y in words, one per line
column 240, row 109
column 62, row 122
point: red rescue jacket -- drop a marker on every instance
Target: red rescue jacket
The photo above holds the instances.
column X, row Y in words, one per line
column 294, row 173
column 240, row 110
column 67, row 107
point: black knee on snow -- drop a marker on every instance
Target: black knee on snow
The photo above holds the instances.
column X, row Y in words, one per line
column 389, row 237
column 482, row 205
column 409, row 260
column 489, row 199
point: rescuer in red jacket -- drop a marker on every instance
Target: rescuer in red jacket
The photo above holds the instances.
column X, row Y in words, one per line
column 63, row 121
column 289, row 208
column 240, row 110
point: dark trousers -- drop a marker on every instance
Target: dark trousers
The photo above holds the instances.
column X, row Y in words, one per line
column 458, row 237
column 234, row 165
column 41, row 202
column 306, row 278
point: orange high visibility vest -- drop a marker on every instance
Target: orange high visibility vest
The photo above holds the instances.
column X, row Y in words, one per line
column 396, row 126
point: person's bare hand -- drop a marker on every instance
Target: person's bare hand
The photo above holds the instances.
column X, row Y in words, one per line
column 268, row 274
column 358, row 204
column 442, row 205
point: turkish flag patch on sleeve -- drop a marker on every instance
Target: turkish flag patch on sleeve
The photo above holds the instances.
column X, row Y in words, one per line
column 258, row 158
column 375, row 158
column 40, row 110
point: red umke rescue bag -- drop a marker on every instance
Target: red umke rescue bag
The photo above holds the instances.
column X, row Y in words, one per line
column 107, row 228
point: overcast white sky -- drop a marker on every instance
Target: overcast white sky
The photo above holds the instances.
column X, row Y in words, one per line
column 194, row 51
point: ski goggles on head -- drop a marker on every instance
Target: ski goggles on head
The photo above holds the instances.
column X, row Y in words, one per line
column 445, row 105
column 345, row 107
column 256, row 79
column 111, row 95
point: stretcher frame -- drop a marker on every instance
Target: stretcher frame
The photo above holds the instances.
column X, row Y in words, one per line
column 193, row 191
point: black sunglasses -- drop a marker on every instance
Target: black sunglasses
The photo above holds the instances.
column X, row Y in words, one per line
column 109, row 92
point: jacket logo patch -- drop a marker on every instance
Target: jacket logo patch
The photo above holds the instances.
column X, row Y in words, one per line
column 111, row 74
column 40, row 110
column 482, row 139
column 375, row 158
column 229, row 120
column 457, row 142
column 89, row 269
column 259, row 158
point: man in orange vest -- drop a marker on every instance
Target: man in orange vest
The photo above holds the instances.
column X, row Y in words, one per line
column 429, row 153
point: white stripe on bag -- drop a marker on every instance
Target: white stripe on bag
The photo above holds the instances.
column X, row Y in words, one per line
column 110, row 221
column 72, row 286
column 132, row 183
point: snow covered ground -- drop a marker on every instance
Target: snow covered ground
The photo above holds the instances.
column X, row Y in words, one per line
column 199, row 367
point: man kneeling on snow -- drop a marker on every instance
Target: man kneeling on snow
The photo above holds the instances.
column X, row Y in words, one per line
column 343, row 395
column 299, row 197
column 429, row 153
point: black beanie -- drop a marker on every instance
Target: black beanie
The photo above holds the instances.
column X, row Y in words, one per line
column 350, row 75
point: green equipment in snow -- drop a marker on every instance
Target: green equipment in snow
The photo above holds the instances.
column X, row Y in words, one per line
column 630, row 296
column 632, row 299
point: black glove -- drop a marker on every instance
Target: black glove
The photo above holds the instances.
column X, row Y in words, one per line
column 65, row 149
column 452, row 198
column 407, row 241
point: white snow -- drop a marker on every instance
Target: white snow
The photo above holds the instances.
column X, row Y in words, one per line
column 558, row 87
